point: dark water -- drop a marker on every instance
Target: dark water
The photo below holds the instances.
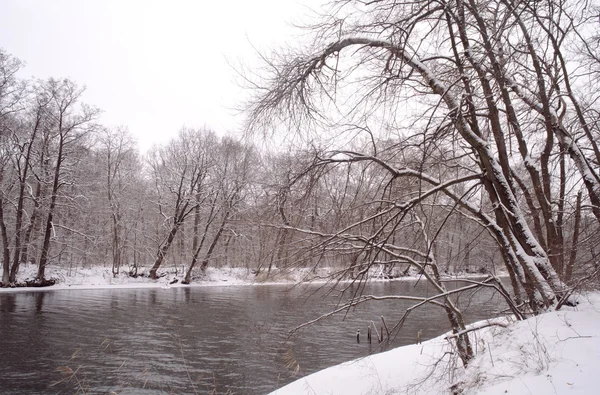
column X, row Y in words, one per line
column 193, row 340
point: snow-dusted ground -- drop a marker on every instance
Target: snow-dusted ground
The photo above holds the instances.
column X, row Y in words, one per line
column 102, row 277
column 554, row 353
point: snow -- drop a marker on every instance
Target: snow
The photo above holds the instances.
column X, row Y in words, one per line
column 101, row 277
column 554, row 353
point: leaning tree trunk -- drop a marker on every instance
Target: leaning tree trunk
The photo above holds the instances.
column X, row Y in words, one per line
column 215, row 241
column 178, row 218
column 200, row 244
column 529, row 252
column 163, row 249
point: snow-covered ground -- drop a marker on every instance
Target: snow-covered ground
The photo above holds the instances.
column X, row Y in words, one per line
column 102, row 277
column 554, row 353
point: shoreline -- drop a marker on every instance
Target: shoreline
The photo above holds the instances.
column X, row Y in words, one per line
column 553, row 353
column 102, row 278
column 196, row 284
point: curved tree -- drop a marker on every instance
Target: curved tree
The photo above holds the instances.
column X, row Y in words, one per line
column 479, row 88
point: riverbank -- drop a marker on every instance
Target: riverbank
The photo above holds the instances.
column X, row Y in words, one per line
column 102, row 277
column 554, row 353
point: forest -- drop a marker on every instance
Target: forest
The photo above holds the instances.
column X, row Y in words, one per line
column 430, row 138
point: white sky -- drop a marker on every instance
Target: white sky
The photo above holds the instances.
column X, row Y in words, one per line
column 152, row 66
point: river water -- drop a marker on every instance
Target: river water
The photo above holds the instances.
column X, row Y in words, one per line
column 232, row 339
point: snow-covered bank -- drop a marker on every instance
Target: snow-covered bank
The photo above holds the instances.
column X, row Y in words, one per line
column 102, row 277
column 555, row 353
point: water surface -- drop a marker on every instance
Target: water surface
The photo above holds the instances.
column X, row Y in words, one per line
column 231, row 339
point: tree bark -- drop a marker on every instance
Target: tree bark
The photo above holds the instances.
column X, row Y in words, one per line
column 163, row 249
column 573, row 254
column 48, row 231
column 6, row 280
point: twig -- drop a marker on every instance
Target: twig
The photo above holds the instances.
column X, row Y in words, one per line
column 472, row 329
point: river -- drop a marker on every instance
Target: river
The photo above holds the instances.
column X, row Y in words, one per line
column 230, row 339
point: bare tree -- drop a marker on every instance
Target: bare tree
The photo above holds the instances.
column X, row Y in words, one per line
column 179, row 171
column 120, row 167
column 25, row 138
column 68, row 122
column 481, row 93
column 230, row 175
column 4, row 192
column 462, row 61
column 11, row 99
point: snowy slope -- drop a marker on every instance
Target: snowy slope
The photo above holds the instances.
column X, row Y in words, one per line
column 556, row 353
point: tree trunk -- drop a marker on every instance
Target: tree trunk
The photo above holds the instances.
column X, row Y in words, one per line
column 6, row 280
column 48, row 232
column 215, row 240
column 163, row 249
column 199, row 244
column 196, row 223
column 21, row 198
column 116, row 248
column 573, row 254
column 34, row 225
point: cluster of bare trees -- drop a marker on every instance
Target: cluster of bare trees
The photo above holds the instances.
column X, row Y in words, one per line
column 74, row 193
column 44, row 128
column 474, row 126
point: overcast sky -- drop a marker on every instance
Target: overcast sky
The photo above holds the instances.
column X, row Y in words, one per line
column 152, row 66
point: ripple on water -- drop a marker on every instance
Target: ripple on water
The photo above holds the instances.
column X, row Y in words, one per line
column 160, row 341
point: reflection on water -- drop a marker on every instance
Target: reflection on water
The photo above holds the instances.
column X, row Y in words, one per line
column 185, row 340
column 8, row 304
column 39, row 301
